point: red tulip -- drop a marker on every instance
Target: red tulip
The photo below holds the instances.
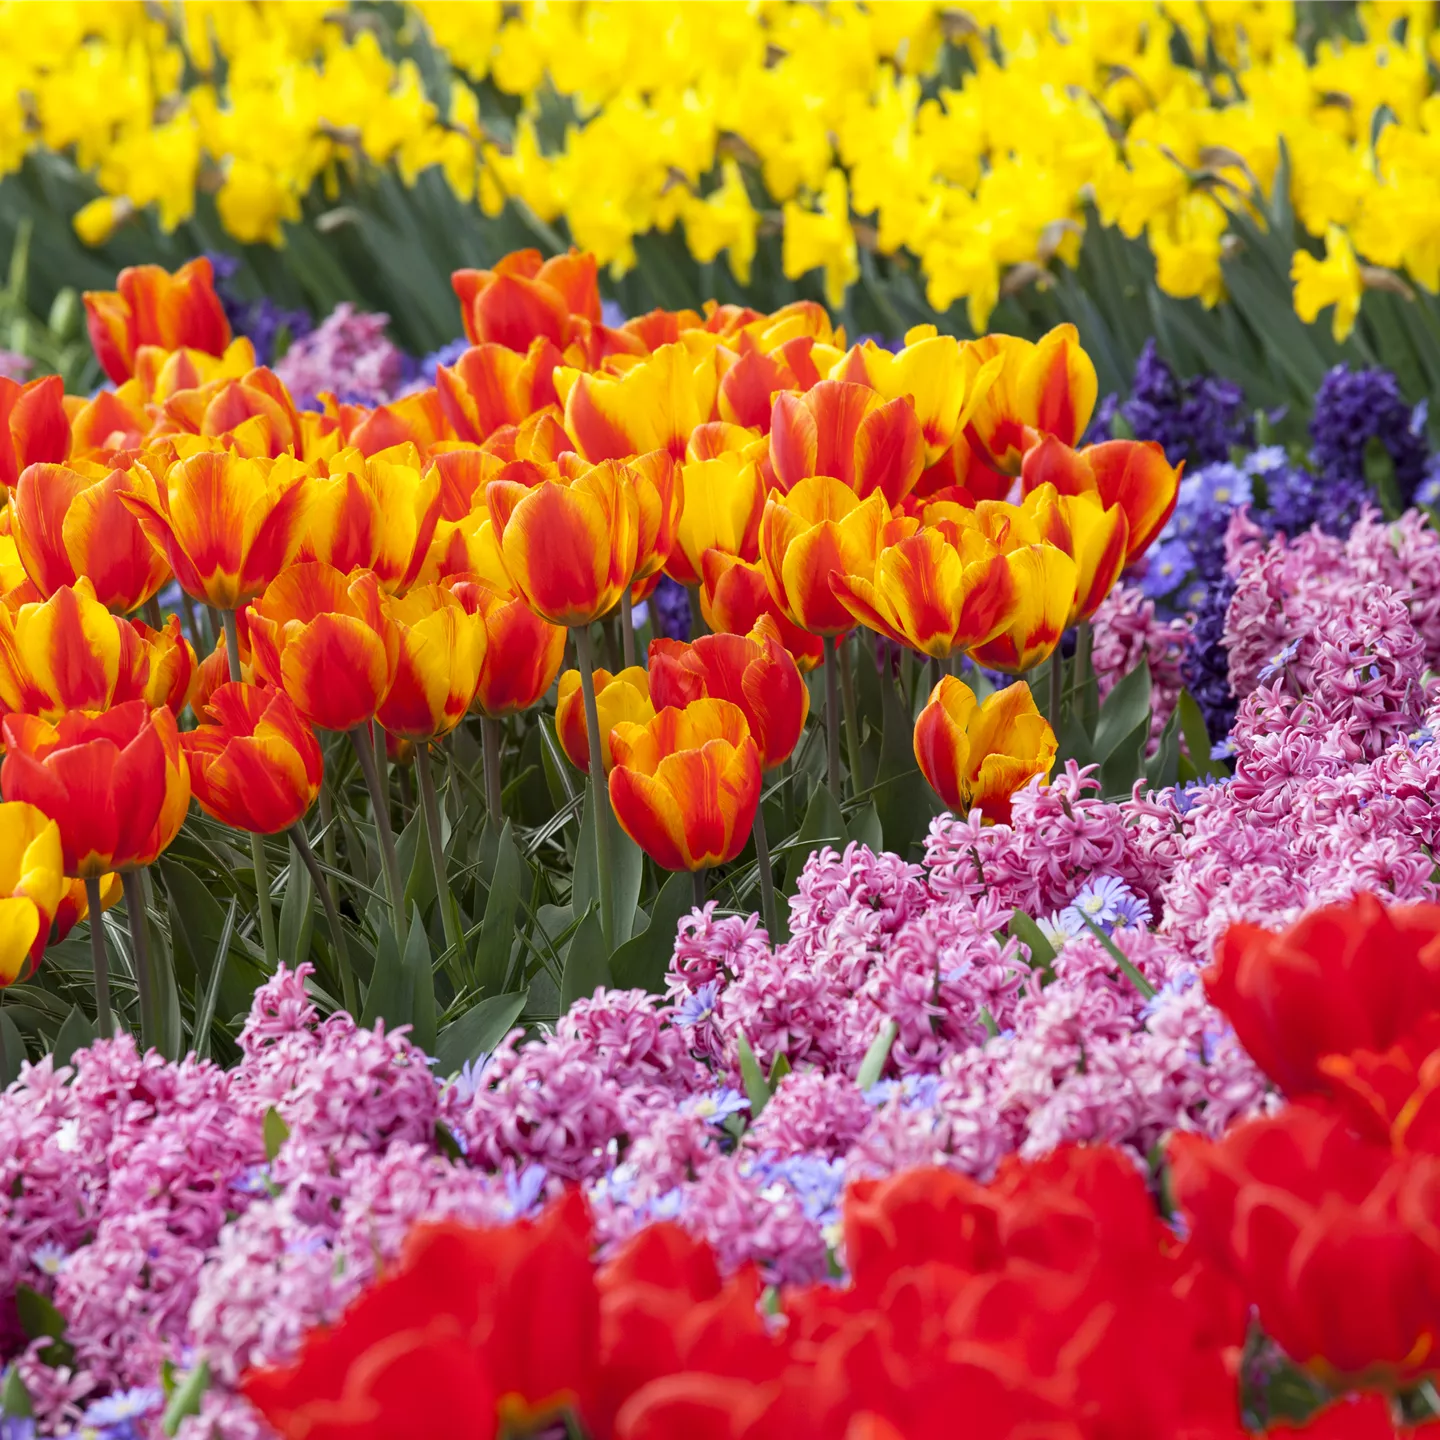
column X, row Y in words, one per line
column 34, row 428
column 151, row 307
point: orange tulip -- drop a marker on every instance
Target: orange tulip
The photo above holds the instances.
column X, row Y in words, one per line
column 734, row 595
column 72, row 522
column 377, row 513
column 624, row 696
column 822, row 528
column 569, row 544
column 169, row 663
column 849, row 432
column 252, row 415
column 749, row 383
column 491, row 386
column 151, row 307
column 660, row 497
column 108, row 423
column 34, row 428
column 214, row 670
column 723, row 500
column 1044, row 387
column 161, row 373
column 525, row 297
column 415, row 419
column 227, row 525
column 975, row 757
column 686, row 785
column 325, row 639
column 753, row 672
column 441, row 650
column 113, row 782
column 1093, row 534
column 1133, row 474
column 257, row 766
column 522, row 654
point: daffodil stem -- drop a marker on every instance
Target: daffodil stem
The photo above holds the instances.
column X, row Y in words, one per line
column 262, row 901
column 599, row 795
column 627, row 630
column 430, row 807
column 768, row 909
column 852, row 716
column 394, row 889
column 1057, row 687
column 494, row 791
column 232, row 641
column 140, row 942
column 1084, row 675
column 832, row 718
column 100, row 961
column 348, row 993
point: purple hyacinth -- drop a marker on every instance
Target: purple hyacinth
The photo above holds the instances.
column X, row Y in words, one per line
column 1198, row 420
column 670, row 610
column 262, row 321
column 1352, row 407
column 1206, row 666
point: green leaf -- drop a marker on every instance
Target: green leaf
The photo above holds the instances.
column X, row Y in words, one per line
column 198, row 923
column 757, row 1088
column 1163, row 767
column 864, row 826
column 275, row 1131
column 414, row 858
column 12, row 1047
column 14, row 1397
column 497, row 929
column 779, row 1070
column 586, row 963
column 206, row 1012
column 478, row 1031
column 296, row 912
column 40, row 1319
column 389, row 996
column 1032, row 937
column 872, row 1067
column 904, row 803
column 1126, row 708
column 1126, row 964
column 421, row 977
column 186, row 1398
column 75, row 1034
column 823, row 825
column 1126, row 762
column 1197, row 737
column 627, row 864
column 641, row 962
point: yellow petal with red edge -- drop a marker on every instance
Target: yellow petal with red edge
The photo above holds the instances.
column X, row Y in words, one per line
column 19, row 930
column 1044, row 589
column 1057, row 386
column 650, row 815
column 557, row 550
column 942, row 744
column 336, row 671
column 809, row 562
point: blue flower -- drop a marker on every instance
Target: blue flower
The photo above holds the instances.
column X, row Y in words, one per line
column 817, row 1182
column 1280, row 659
column 1107, row 901
column 125, row 1405
column 699, row 1005
column 1266, row 460
column 49, row 1259
column 523, row 1188
column 1170, row 563
column 718, row 1105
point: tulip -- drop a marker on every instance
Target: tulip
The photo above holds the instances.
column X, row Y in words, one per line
column 749, row 385
column 524, row 298
column 32, row 886
column 624, row 696
column 849, row 432
column 569, row 544
column 252, row 415
column 734, row 596
column 975, row 757
column 326, row 640
column 724, row 498
column 228, row 526
column 1131, row 474
column 72, row 522
column 74, row 907
column 1045, row 387
column 214, row 670
column 522, row 652
column 1093, row 534
column 1044, row 587
column 375, row 514
column 491, row 386
column 34, row 428
column 256, row 765
column 441, row 648
column 108, row 423
column 151, row 307
column 686, row 785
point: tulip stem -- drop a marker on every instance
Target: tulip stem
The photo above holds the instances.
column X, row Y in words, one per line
column 627, row 629
column 104, row 1022
column 494, row 792
column 697, row 879
column 832, row 718
column 140, row 940
column 599, row 795
column 232, row 641
column 1084, row 676
column 319, row 879
column 768, row 909
column 394, row 890
column 262, row 900
column 852, row 716
column 1057, row 687
column 698, row 627
column 430, row 807
column 327, row 839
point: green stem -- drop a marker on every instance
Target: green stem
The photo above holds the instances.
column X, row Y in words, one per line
column 768, row 908
column 327, row 841
column 348, row 992
column 832, row 718
column 153, row 617
column 697, row 879
column 1057, row 687
column 140, row 941
column 494, row 792
column 262, row 900
column 1085, row 677
column 936, row 675
column 394, row 889
column 100, row 960
column 232, row 641
column 599, row 794
column 430, row 808
column 382, row 763
column 852, row 715
column 627, row 629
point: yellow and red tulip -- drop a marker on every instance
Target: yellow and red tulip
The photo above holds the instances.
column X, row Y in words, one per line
column 723, row 499
column 1044, row 387
column 114, row 782
column 32, row 886
column 109, row 423
column 621, row 697
column 569, row 544
column 34, row 428
column 1044, row 586
column 416, row 419
column 1093, row 534
column 1133, row 474
column 686, row 785
column 75, row 904
column 214, row 670
column 71, row 522
column 753, row 672
column 821, row 529
column 976, row 756
column 326, row 640
column 169, row 663
column 440, row 654
column 255, row 763
column 253, row 415
column 750, row 382
column 733, row 597
column 491, row 386
column 525, row 297
column 227, row 525
column 149, row 306
column 523, row 653
column 660, row 496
